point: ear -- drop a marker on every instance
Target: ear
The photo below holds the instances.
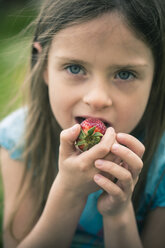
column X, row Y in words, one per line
column 37, row 46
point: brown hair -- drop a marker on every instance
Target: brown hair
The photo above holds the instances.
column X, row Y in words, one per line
column 147, row 20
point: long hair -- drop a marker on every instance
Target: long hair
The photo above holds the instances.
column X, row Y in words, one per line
column 146, row 19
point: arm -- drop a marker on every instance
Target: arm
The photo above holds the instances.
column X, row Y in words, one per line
column 12, row 172
column 125, row 226
column 58, row 222
column 61, row 210
column 115, row 203
column 56, row 225
column 121, row 230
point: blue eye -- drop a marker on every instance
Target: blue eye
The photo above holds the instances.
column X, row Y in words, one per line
column 125, row 75
column 75, row 69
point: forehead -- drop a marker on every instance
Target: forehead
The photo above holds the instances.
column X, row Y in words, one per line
column 96, row 28
column 106, row 33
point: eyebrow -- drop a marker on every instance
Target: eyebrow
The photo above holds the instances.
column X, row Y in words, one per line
column 113, row 66
column 73, row 60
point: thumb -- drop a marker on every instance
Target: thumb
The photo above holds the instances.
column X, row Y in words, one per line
column 67, row 140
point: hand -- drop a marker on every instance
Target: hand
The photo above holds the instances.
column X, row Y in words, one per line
column 117, row 196
column 76, row 169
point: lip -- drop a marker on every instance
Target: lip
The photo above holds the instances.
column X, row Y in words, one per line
column 79, row 119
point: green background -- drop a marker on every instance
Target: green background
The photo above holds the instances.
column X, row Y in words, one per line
column 15, row 16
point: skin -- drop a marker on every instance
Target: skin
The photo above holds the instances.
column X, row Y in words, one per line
column 105, row 46
column 97, row 89
column 100, row 52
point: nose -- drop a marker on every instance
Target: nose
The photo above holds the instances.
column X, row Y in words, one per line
column 97, row 97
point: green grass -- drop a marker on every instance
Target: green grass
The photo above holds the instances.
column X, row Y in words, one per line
column 13, row 57
column 14, row 51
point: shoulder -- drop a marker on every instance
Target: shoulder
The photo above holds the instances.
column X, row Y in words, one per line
column 153, row 196
column 12, row 132
column 155, row 188
column 159, row 155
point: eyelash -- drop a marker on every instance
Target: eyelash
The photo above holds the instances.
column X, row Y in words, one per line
column 83, row 72
column 130, row 73
column 68, row 69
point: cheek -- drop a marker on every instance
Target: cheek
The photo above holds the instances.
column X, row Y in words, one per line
column 57, row 103
column 58, row 100
column 61, row 104
column 55, row 98
column 131, row 113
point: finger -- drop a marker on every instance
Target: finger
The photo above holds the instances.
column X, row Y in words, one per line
column 101, row 149
column 134, row 162
column 113, row 158
column 67, row 140
column 107, row 185
column 123, row 175
column 131, row 142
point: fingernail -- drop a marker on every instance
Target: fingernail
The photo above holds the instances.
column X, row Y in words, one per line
column 112, row 129
column 97, row 177
column 99, row 163
column 115, row 147
column 120, row 135
column 74, row 128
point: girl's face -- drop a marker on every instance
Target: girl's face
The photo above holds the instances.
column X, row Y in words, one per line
column 99, row 69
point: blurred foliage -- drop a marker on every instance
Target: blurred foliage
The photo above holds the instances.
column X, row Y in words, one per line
column 14, row 44
column 15, row 16
column 12, row 4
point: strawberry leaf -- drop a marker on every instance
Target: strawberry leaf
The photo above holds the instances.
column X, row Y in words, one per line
column 81, row 142
column 97, row 140
column 82, row 134
column 91, row 130
column 98, row 134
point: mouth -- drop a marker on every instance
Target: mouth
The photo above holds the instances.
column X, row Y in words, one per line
column 80, row 119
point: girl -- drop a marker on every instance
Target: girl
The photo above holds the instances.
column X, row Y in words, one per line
column 96, row 58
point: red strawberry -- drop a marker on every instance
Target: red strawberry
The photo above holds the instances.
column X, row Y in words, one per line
column 92, row 130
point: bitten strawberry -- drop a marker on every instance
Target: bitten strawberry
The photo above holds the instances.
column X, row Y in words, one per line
column 92, row 130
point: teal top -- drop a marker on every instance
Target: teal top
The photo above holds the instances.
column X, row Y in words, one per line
column 89, row 232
